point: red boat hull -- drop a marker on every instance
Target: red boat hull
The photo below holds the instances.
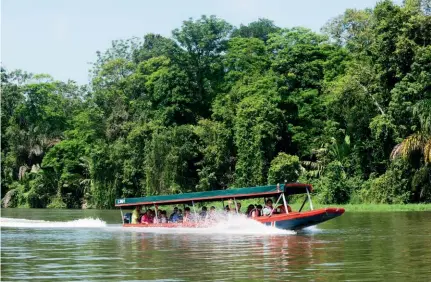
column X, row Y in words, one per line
column 299, row 220
column 290, row 221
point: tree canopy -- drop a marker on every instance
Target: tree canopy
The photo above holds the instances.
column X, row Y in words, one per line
column 217, row 106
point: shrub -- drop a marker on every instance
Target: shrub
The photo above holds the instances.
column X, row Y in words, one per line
column 284, row 167
column 393, row 187
column 334, row 187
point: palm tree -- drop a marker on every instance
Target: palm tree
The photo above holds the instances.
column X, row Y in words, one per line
column 334, row 151
column 419, row 141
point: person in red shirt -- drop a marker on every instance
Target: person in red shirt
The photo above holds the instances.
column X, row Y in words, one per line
column 147, row 218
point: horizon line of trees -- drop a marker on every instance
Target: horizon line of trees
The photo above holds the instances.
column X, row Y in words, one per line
column 217, row 106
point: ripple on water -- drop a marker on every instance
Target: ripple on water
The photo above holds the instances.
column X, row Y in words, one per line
column 349, row 248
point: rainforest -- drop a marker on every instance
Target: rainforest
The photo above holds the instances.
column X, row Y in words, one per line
column 214, row 106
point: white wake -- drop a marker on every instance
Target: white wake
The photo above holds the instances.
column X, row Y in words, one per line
column 28, row 223
column 235, row 224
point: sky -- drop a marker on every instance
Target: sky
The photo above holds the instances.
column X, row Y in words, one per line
column 61, row 37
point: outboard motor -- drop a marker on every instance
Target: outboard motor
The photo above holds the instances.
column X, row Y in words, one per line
column 127, row 218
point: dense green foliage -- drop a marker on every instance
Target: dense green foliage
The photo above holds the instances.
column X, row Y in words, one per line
column 213, row 107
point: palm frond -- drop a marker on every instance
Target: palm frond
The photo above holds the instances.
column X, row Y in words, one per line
column 314, row 169
column 396, row 151
column 22, row 170
column 35, row 168
column 427, row 151
column 414, row 143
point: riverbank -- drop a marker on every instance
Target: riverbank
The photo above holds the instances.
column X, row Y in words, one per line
column 296, row 206
column 348, row 207
column 372, row 207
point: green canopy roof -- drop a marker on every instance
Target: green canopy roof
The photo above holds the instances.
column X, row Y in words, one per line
column 240, row 193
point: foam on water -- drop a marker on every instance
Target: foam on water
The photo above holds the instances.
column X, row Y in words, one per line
column 243, row 225
column 28, row 223
column 235, row 224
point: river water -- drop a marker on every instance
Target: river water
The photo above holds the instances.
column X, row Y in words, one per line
column 91, row 245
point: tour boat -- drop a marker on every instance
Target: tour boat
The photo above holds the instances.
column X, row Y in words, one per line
column 291, row 220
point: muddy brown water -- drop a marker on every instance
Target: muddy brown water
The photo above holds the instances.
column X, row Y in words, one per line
column 50, row 245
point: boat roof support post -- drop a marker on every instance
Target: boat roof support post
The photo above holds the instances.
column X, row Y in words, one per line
column 156, row 210
column 303, row 203
column 278, row 200
column 194, row 210
column 122, row 216
column 285, row 203
column 309, row 198
column 236, row 206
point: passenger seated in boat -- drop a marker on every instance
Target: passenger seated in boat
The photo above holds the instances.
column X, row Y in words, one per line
column 268, row 209
column 281, row 209
column 163, row 218
column 127, row 218
column 249, row 210
column 157, row 216
column 259, row 210
column 211, row 215
column 203, row 213
column 174, row 214
column 232, row 208
column 152, row 214
column 177, row 216
column 147, row 218
column 187, row 215
column 238, row 207
column 255, row 212
column 226, row 209
column 136, row 214
column 180, row 215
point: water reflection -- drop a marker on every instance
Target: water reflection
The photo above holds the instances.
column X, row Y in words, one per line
column 355, row 247
column 270, row 257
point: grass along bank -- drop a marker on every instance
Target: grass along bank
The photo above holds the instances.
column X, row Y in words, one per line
column 370, row 207
column 348, row 207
